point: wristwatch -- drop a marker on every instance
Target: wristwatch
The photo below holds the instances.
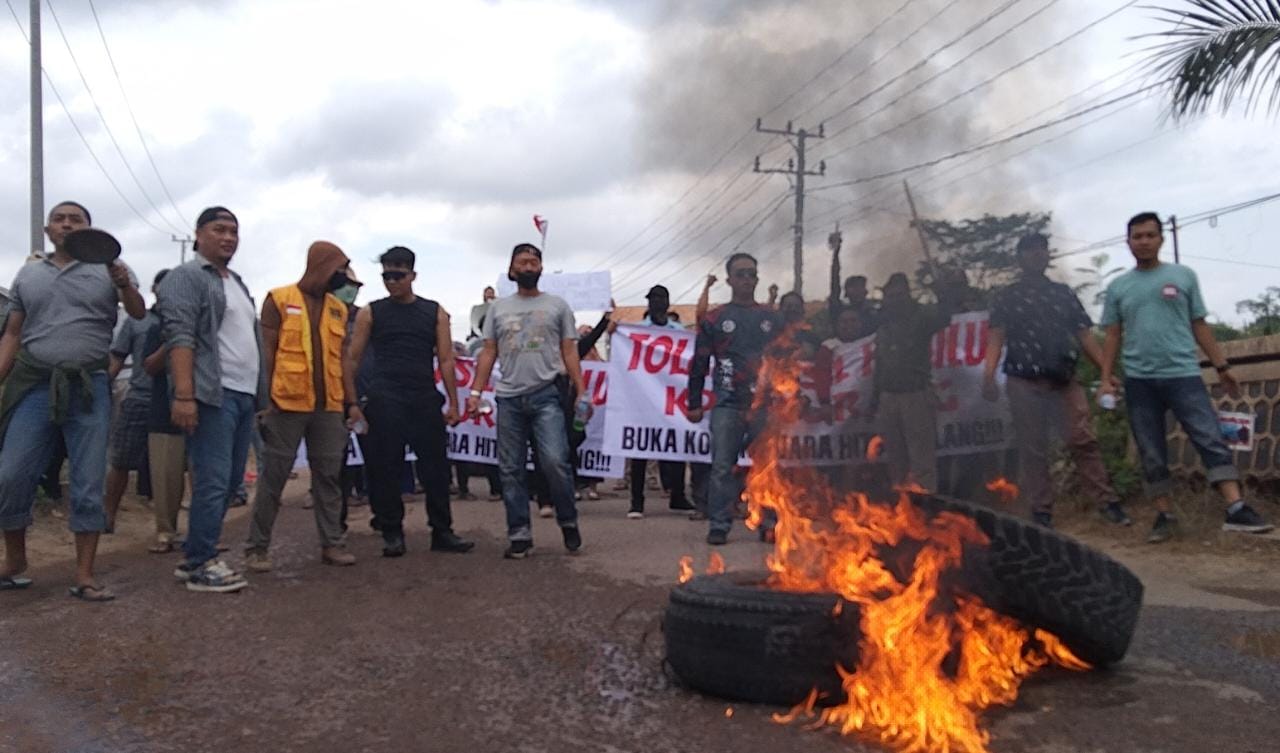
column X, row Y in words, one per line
column 1224, row 368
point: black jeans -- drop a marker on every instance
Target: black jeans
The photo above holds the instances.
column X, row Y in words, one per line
column 672, row 475
column 466, row 471
column 419, row 424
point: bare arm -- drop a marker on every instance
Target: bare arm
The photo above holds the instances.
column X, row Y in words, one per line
column 484, row 366
column 444, row 355
column 114, row 365
column 270, row 321
column 995, row 345
column 704, row 300
column 1110, row 348
column 1089, row 344
column 154, row 363
column 356, row 345
column 10, row 341
column 1203, row 333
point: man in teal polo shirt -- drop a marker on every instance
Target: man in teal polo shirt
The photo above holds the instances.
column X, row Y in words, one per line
column 1157, row 311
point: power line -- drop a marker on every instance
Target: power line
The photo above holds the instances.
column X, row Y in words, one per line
column 129, row 106
column 992, row 79
column 94, row 155
column 991, row 144
column 102, row 117
column 1236, row 262
column 926, row 59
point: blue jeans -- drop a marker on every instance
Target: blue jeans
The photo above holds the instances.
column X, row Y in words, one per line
column 218, row 450
column 538, row 416
column 28, row 446
column 731, row 433
column 1149, row 400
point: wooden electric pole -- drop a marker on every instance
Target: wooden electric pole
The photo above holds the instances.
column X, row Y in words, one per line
column 37, row 135
column 915, row 222
column 1177, row 252
column 796, row 168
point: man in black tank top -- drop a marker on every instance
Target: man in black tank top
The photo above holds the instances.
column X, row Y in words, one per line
column 403, row 406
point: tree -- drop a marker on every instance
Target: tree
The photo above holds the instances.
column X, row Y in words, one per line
column 1265, row 310
column 1095, row 277
column 1219, row 50
column 982, row 249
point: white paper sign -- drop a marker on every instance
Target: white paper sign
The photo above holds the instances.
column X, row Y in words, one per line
column 1237, row 430
column 583, row 291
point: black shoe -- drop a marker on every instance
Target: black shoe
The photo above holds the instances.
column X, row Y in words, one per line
column 1115, row 514
column 1246, row 520
column 681, row 504
column 1042, row 519
column 374, row 524
column 697, row 515
column 448, row 541
column 572, row 538
column 518, row 550
column 1163, row 529
column 239, row 500
column 717, row 538
column 393, row 545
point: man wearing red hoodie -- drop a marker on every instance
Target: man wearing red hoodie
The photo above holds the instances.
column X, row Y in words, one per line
column 304, row 331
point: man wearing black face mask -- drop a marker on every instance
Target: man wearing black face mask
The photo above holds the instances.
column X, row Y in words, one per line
column 304, row 329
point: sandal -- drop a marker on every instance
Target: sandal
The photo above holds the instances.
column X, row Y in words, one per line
column 91, row 593
column 14, row 583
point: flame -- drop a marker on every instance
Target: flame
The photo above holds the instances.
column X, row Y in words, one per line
column 874, row 447
column 931, row 658
column 686, row 569
column 715, row 565
column 1006, row 490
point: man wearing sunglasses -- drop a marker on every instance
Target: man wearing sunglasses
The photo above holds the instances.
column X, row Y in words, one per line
column 736, row 334
column 408, row 335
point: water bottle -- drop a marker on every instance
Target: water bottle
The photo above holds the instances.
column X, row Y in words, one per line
column 581, row 412
column 484, row 407
column 360, row 427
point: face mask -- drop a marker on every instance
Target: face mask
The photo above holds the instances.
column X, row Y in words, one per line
column 528, row 280
column 347, row 293
column 338, row 280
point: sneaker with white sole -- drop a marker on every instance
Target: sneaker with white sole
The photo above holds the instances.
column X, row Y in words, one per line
column 1246, row 520
column 635, row 514
column 546, row 511
column 258, row 561
column 215, row 577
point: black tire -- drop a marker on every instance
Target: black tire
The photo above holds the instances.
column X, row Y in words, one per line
column 1051, row 581
column 728, row 636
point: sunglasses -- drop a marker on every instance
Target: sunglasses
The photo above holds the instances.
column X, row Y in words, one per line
column 394, row 275
column 745, row 274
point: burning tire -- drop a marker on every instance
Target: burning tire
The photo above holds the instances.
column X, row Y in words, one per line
column 1047, row 580
column 729, row 636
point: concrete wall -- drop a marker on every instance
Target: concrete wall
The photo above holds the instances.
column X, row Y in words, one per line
column 1256, row 365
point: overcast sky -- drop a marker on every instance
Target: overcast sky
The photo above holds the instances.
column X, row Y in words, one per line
column 444, row 126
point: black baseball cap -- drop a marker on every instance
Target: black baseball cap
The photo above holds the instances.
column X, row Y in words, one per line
column 658, row 291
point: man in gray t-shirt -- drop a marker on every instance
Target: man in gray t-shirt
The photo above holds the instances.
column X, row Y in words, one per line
column 532, row 334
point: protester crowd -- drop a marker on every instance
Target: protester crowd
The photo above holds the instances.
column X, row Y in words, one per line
column 213, row 375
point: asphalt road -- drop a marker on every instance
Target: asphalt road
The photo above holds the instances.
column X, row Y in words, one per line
column 472, row 653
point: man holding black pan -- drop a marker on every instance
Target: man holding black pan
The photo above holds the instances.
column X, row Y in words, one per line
column 53, row 364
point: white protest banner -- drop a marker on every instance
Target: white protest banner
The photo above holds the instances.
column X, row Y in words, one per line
column 593, row 461
column 967, row 423
column 648, row 396
column 583, row 291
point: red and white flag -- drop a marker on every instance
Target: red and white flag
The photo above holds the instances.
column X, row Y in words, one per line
column 541, row 223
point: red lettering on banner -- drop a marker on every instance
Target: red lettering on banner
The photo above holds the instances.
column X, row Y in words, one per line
column 947, row 403
column 846, row 406
column 838, row 372
column 975, row 347
column 677, row 358
column 462, row 369
column 598, row 390
column 953, row 337
column 637, row 349
column 660, row 347
column 680, row 399
column 868, row 358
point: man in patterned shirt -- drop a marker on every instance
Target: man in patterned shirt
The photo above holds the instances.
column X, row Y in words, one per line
column 1045, row 329
column 736, row 334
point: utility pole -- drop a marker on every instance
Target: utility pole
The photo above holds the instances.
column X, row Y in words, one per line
column 37, row 135
column 1173, row 225
column 796, row 168
column 183, row 241
column 915, row 220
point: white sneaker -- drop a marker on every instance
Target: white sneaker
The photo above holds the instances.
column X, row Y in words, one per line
column 216, row 577
column 546, row 511
column 635, row 515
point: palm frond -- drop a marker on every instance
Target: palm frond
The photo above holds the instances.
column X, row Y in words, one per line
column 1219, row 51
